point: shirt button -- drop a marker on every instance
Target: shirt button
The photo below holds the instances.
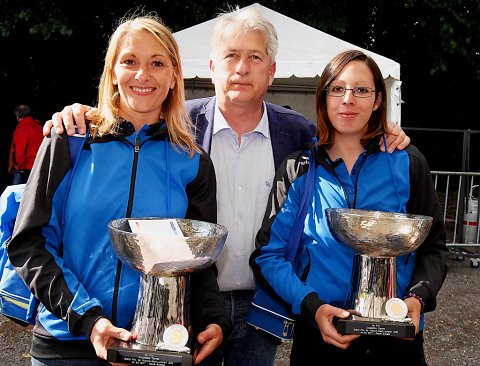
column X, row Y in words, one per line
column 352, row 191
column 239, row 188
column 238, row 283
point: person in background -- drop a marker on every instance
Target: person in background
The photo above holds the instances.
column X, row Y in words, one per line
column 139, row 160
column 350, row 172
column 247, row 139
column 27, row 138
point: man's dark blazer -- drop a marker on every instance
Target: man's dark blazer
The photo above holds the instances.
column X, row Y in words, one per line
column 289, row 130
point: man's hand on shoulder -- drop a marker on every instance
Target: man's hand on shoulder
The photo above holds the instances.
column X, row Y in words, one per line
column 396, row 138
column 70, row 116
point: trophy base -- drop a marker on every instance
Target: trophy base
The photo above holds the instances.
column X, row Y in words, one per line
column 139, row 354
column 370, row 326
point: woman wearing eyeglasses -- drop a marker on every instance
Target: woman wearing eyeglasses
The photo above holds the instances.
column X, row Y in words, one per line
column 350, row 172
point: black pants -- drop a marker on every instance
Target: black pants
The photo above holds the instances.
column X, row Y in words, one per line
column 308, row 346
column 20, row 176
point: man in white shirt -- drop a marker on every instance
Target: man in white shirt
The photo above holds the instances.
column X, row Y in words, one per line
column 247, row 139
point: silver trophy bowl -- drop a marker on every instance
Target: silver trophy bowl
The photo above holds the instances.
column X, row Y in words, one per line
column 378, row 238
column 143, row 252
column 163, row 299
column 378, row 233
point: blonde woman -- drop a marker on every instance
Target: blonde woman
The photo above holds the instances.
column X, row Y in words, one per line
column 139, row 160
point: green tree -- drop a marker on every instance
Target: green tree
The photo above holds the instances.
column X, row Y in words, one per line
column 53, row 50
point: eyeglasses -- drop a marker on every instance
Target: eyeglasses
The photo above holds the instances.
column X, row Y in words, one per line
column 358, row 91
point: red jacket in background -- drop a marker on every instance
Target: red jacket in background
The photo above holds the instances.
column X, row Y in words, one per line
column 26, row 140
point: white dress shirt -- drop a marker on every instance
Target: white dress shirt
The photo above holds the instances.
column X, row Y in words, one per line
column 244, row 178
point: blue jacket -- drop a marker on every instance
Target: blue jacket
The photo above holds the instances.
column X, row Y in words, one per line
column 289, row 130
column 60, row 245
column 16, row 301
column 322, row 269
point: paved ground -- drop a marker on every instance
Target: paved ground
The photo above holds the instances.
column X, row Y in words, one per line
column 452, row 331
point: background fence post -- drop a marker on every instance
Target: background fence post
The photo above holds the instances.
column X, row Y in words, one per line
column 463, row 188
column 466, row 151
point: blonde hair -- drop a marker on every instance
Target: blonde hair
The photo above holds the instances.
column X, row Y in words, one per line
column 173, row 111
column 247, row 20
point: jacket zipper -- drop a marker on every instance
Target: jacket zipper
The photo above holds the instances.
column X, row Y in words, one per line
column 136, row 149
column 332, row 170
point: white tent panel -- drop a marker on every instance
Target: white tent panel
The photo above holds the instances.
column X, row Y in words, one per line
column 303, row 53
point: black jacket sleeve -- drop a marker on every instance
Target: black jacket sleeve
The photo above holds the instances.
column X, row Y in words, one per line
column 207, row 303
column 431, row 257
column 36, row 265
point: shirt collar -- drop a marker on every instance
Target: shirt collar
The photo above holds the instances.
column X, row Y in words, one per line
column 220, row 123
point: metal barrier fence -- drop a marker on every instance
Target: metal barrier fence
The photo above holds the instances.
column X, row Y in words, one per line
column 468, row 149
column 459, row 194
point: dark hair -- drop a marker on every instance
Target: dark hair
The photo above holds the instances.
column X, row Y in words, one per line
column 378, row 120
column 22, row 111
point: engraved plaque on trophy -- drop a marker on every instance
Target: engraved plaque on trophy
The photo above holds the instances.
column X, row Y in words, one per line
column 378, row 238
column 166, row 252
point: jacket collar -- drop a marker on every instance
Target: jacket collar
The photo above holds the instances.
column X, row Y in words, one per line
column 126, row 128
column 28, row 119
column 204, row 124
column 373, row 146
column 278, row 136
column 321, row 154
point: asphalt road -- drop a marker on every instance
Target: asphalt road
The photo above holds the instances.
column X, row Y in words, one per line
column 452, row 332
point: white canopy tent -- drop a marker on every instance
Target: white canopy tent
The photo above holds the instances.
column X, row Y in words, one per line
column 302, row 54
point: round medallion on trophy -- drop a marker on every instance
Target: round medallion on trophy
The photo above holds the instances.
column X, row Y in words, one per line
column 396, row 308
column 175, row 336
